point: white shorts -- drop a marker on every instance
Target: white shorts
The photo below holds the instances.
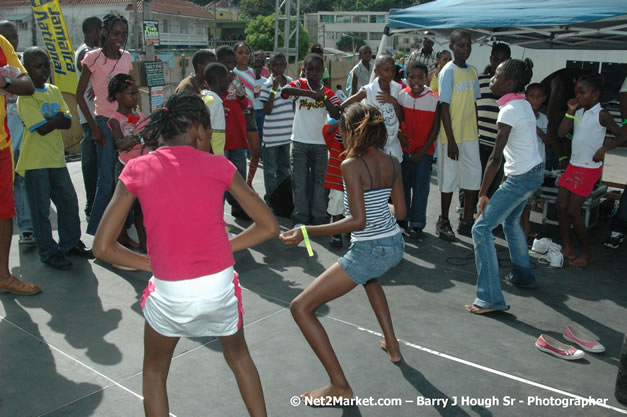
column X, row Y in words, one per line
column 464, row 173
column 336, row 202
column 206, row 306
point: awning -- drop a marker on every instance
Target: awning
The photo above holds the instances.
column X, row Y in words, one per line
column 17, row 17
column 539, row 24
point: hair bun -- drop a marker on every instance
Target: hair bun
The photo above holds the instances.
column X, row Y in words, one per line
column 528, row 64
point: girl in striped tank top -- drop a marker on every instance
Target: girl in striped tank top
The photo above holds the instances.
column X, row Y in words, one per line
column 371, row 177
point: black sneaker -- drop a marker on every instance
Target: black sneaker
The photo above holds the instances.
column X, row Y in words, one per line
column 336, row 241
column 444, row 230
column 81, row 250
column 58, row 261
column 464, row 228
column 614, row 240
column 413, row 233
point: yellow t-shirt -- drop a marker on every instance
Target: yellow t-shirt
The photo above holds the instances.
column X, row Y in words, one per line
column 13, row 60
column 218, row 123
column 434, row 84
column 41, row 151
column 460, row 88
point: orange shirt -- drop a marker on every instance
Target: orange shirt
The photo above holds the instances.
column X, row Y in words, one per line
column 7, row 57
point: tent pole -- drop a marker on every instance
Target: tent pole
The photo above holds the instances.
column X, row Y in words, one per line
column 382, row 49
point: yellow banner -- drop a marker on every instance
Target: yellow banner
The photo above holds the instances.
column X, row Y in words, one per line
column 57, row 42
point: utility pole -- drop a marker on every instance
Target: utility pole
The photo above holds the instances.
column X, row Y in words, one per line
column 287, row 17
column 150, row 49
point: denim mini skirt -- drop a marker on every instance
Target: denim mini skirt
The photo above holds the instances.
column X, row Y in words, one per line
column 368, row 259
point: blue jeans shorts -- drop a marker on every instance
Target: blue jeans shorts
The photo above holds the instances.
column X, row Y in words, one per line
column 369, row 259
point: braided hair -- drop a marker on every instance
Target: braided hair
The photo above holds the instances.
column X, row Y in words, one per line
column 364, row 127
column 117, row 84
column 107, row 25
column 519, row 71
column 181, row 111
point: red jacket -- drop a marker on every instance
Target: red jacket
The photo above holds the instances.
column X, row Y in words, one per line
column 333, row 178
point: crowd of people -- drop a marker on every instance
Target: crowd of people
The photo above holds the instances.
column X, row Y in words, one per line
column 357, row 164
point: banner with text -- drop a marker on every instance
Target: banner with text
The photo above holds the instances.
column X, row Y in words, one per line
column 57, row 42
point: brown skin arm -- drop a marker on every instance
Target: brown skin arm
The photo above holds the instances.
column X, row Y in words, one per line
column 58, row 121
column 493, row 165
column 355, row 98
column 620, row 137
column 106, row 247
column 265, row 225
column 351, row 171
column 20, row 85
column 354, row 82
column 445, row 113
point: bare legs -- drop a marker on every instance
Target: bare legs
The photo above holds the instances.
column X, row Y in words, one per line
column 158, row 350
column 332, row 284
column 569, row 212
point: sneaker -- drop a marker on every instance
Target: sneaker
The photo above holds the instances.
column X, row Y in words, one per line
column 614, row 240
column 444, row 230
column 581, row 336
column 413, row 233
column 556, row 348
column 336, row 241
column 27, row 239
column 81, row 250
column 58, row 261
column 465, row 228
column 16, row 286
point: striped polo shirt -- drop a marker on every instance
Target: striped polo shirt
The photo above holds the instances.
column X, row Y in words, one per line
column 487, row 112
column 277, row 126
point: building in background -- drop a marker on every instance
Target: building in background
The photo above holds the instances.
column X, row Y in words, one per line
column 182, row 24
column 327, row 28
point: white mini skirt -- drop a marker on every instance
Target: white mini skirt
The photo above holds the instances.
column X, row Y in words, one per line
column 206, row 306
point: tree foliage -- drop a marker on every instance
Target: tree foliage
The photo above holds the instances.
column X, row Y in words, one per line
column 260, row 35
column 256, row 8
column 350, row 43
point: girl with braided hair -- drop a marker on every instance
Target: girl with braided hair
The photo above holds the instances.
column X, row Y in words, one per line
column 194, row 291
column 99, row 66
column 516, row 141
column 371, row 177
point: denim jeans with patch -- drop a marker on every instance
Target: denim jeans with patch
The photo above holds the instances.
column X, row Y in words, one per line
column 416, row 183
column 309, row 166
column 53, row 184
column 276, row 166
column 505, row 207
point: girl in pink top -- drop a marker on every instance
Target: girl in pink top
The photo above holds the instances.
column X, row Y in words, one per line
column 99, row 66
column 194, row 291
column 126, row 125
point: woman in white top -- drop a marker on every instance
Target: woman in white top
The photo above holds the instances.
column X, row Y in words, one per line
column 516, row 141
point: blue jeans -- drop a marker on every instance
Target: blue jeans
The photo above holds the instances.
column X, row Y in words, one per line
column 43, row 185
column 505, row 207
column 260, row 116
column 22, row 208
column 416, row 183
column 309, row 165
column 276, row 166
column 89, row 166
column 106, row 155
column 238, row 157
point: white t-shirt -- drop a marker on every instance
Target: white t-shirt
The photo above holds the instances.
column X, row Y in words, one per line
column 623, row 89
column 521, row 151
column 259, row 83
column 309, row 115
column 588, row 137
column 392, row 145
column 542, row 122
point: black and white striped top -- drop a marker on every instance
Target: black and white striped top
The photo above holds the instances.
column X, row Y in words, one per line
column 487, row 112
column 379, row 220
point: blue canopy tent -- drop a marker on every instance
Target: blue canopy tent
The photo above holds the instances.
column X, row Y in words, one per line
column 538, row 24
